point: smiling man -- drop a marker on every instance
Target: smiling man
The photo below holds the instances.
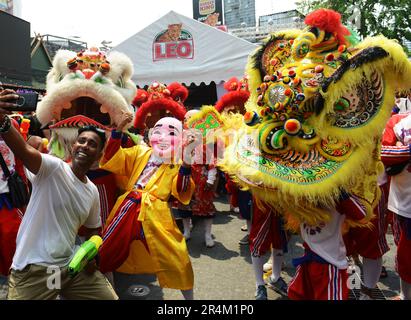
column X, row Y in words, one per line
column 63, row 199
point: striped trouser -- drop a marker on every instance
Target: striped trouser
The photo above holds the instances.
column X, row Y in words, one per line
column 122, row 230
column 267, row 231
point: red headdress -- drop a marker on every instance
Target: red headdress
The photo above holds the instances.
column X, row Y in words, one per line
column 330, row 21
column 162, row 102
column 236, row 96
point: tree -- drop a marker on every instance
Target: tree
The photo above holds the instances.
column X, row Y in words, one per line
column 390, row 18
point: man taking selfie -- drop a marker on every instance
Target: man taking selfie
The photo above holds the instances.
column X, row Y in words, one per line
column 63, row 199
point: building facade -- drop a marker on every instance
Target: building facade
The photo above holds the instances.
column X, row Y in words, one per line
column 281, row 20
column 267, row 24
column 239, row 14
column 407, row 44
column 55, row 43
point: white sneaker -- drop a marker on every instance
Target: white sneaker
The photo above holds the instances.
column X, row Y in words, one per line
column 209, row 242
column 267, row 266
column 364, row 296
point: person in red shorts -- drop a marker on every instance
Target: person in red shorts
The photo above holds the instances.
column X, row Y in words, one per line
column 267, row 232
column 10, row 216
column 396, row 156
column 321, row 273
column 371, row 243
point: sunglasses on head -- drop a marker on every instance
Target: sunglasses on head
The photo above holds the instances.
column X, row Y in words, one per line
column 90, row 127
column 100, row 132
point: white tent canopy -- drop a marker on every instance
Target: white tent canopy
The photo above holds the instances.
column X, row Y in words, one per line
column 189, row 52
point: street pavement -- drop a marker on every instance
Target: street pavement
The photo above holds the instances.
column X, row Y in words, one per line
column 224, row 272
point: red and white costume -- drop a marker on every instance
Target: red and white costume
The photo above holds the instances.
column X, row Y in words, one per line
column 202, row 203
column 396, row 150
column 371, row 242
column 321, row 272
column 10, row 217
column 266, row 230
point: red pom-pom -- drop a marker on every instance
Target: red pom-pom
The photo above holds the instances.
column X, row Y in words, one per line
column 231, row 84
column 330, row 21
column 288, row 92
column 329, row 57
column 233, row 98
column 178, row 91
column 342, row 48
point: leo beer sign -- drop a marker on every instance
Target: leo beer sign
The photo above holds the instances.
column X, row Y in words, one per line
column 173, row 43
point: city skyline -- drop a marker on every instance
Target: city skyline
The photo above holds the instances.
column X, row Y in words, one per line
column 116, row 24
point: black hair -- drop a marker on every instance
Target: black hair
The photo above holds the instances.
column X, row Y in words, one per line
column 100, row 132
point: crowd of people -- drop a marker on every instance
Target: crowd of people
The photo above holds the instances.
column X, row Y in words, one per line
column 64, row 199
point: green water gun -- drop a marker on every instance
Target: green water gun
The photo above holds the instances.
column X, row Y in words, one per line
column 87, row 251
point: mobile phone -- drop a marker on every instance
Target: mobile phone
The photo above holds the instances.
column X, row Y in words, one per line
column 27, row 101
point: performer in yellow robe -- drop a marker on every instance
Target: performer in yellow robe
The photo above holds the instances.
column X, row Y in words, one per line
column 141, row 235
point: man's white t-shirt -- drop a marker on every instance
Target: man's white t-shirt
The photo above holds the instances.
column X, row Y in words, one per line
column 399, row 199
column 326, row 239
column 59, row 205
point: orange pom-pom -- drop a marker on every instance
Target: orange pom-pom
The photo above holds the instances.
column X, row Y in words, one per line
column 319, row 68
column 288, row 92
column 104, row 68
column 292, row 126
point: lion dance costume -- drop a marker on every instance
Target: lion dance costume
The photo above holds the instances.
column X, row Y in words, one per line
column 316, row 113
column 311, row 135
column 88, row 88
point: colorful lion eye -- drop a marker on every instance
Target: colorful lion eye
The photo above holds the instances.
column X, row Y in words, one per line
column 272, row 138
column 342, row 104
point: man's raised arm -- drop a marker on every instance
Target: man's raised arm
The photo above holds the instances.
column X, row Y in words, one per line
column 30, row 157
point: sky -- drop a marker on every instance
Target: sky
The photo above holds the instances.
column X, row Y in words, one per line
column 95, row 21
